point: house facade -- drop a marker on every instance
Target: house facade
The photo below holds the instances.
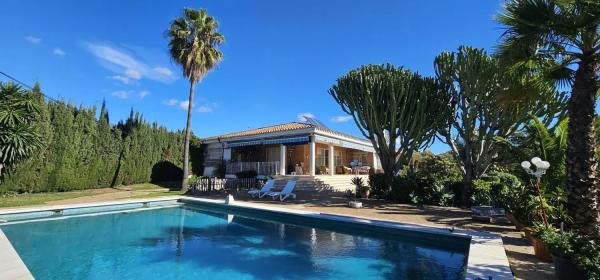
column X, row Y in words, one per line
column 290, row 149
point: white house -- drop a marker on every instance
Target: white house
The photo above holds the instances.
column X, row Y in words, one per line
column 295, row 148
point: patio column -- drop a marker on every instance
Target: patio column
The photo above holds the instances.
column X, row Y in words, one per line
column 282, row 159
column 375, row 161
column 311, row 156
column 331, row 160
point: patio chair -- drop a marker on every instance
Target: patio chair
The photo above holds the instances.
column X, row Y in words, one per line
column 364, row 169
column 285, row 193
column 261, row 192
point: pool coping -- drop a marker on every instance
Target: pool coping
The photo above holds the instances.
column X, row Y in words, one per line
column 486, row 258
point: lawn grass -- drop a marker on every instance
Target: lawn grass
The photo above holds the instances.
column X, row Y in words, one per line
column 156, row 194
column 140, row 187
column 25, row 199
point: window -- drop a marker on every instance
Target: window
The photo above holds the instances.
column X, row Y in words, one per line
column 322, row 157
column 338, row 158
column 361, row 158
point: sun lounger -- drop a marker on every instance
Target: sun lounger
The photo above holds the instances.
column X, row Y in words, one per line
column 265, row 189
column 285, row 193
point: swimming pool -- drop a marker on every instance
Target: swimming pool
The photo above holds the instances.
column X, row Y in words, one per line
column 194, row 240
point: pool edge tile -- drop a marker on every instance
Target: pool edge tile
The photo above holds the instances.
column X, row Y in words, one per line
column 11, row 265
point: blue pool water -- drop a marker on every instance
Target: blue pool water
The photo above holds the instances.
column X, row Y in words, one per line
column 199, row 242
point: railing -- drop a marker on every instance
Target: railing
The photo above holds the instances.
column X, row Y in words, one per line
column 261, row 167
column 227, row 184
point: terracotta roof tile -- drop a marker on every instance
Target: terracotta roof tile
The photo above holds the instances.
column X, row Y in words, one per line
column 264, row 130
column 281, row 128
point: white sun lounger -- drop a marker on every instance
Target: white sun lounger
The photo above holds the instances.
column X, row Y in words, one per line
column 285, row 193
column 265, row 189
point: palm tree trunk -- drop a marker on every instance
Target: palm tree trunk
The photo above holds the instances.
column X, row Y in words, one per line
column 582, row 200
column 186, row 147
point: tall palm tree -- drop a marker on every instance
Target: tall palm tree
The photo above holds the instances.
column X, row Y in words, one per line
column 193, row 44
column 562, row 38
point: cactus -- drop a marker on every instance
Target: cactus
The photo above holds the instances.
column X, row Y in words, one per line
column 397, row 110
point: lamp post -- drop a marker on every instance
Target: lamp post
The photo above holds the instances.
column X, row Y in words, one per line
column 541, row 167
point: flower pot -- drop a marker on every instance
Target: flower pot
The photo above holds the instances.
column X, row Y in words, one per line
column 566, row 269
column 355, row 204
column 541, row 250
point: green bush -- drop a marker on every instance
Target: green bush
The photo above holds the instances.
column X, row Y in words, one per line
column 585, row 252
column 377, row 185
column 495, row 189
column 82, row 150
column 246, row 174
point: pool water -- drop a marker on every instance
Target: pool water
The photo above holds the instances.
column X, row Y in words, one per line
column 190, row 242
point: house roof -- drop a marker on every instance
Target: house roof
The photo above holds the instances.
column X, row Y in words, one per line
column 286, row 127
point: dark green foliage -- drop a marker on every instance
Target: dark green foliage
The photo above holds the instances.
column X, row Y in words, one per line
column 19, row 136
column 246, row 174
column 377, row 185
column 430, row 179
column 83, row 150
column 197, row 150
column 164, row 171
column 584, row 252
column 495, row 189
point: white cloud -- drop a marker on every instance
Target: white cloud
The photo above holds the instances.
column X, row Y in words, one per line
column 163, row 70
column 340, row 119
column 134, row 74
column 59, row 52
column 33, row 40
column 184, row 104
column 171, row 102
column 121, row 94
column 205, row 109
column 120, row 78
column 303, row 116
column 143, row 94
column 126, row 65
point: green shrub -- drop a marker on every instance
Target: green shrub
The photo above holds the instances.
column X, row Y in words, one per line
column 585, row 252
column 164, row 171
column 377, row 185
column 402, row 187
column 495, row 189
column 246, row 174
column 82, row 150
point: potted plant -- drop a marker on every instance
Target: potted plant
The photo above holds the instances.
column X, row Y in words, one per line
column 352, row 202
column 361, row 189
column 539, row 246
column 565, row 248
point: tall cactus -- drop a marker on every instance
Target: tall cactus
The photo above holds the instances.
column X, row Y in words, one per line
column 478, row 86
column 399, row 111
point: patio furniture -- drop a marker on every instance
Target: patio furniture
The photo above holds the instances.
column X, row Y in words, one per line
column 285, row 193
column 364, row 169
column 340, row 169
column 298, row 170
column 323, row 170
column 486, row 213
column 265, row 189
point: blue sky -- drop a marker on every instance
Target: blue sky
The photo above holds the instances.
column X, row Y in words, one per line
column 280, row 57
